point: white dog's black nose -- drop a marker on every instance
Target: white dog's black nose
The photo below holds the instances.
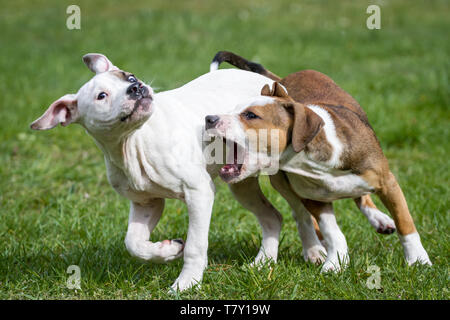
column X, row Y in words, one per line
column 210, row 121
column 137, row 90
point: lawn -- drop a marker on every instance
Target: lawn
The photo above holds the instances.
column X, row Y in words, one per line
column 57, row 208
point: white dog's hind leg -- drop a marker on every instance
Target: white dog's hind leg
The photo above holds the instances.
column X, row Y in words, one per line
column 250, row 196
column 142, row 221
column 199, row 202
column 313, row 250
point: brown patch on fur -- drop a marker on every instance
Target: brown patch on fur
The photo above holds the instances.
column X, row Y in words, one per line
column 317, row 229
column 372, row 177
column 122, row 74
column 276, row 91
column 362, row 150
column 314, row 207
column 306, row 126
column 392, row 196
column 362, row 154
column 271, row 117
column 313, row 87
column 319, row 148
column 365, row 201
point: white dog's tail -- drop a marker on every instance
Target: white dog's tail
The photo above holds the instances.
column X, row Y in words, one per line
column 240, row 63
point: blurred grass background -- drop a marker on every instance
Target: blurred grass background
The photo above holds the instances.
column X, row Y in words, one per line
column 57, row 208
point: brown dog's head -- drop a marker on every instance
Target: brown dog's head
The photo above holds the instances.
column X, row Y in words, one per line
column 261, row 130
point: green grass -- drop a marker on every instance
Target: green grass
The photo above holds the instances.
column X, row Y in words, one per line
column 57, row 208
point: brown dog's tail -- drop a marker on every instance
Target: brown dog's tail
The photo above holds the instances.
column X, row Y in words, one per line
column 240, row 63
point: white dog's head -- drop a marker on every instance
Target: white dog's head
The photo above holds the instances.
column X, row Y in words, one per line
column 113, row 103
column 260, row 130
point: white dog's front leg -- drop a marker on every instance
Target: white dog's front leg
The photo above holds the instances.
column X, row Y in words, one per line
column 249, row 194
column 142, row 221
column 199, row 203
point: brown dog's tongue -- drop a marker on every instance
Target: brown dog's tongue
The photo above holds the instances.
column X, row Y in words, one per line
column 229, row 171
column 230, row 168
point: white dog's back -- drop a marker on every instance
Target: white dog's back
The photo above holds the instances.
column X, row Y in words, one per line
column 218, row 90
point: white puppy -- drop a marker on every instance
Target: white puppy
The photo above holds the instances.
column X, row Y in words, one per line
column 153, row 149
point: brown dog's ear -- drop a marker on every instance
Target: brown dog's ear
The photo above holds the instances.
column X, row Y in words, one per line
column 306, row 126
column 64, row 111
column 265, row 91
column 277, row 91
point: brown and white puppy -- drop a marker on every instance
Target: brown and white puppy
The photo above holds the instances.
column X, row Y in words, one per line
column 325, row 149
column 313, row 86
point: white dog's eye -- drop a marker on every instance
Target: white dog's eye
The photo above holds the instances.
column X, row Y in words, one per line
column 131, row 79
column 101, row 96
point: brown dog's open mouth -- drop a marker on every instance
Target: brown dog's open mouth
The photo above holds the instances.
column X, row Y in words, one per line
column 233, row 170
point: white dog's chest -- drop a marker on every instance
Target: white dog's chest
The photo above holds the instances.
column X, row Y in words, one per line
column 314, row 181
column 121, row 184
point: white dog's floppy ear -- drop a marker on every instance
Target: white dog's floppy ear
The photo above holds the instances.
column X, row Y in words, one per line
column 64, row 111
column 98, row 63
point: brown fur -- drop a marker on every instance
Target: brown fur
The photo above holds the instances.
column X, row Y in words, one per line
column 122, row 74
column 313, row 87
column 274, row 118
column 362, row 154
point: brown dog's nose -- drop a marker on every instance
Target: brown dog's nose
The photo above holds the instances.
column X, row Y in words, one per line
column 210, row 121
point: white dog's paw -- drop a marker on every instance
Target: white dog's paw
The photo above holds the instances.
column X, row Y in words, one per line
column 262, row 259
column 336, row 264
column 170, row 250
column 315, row 254
column 158, row 252
column 183, row 283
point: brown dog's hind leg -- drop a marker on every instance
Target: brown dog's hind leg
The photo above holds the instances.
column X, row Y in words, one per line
column 392, row 196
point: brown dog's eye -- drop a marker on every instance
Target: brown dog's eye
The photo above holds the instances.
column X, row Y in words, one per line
column 250, row 115
column 101, row 96
column 131, row 79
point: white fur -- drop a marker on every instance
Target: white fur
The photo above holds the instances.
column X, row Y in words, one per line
column 321, row 181
column 214, row 66
column 413, row 249
column 313, row 250
column 164, row 158
column 379, row 220
column 330, row 133
column 159, row 154
column 253, row 101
